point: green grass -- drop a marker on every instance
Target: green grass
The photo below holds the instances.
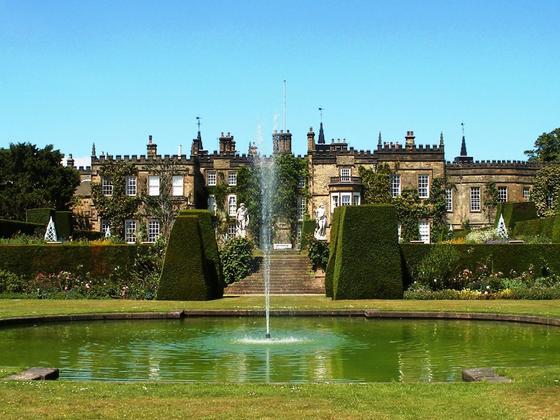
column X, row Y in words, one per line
column 523, row 399
column 29, row 307
column 534, row 393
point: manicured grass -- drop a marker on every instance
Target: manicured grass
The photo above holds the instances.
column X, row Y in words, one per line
column 523, row 399
column 28, row 307
column 534, row 393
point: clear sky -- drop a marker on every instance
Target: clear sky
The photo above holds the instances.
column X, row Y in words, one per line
column 113, row 72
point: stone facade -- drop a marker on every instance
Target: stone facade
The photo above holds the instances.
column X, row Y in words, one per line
column 333, row 174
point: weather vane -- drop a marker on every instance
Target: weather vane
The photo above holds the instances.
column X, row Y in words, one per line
column 198, row 122
column 321, row 113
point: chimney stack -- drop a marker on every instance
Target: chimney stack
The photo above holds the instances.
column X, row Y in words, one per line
column 227, row 145
column 409, row 138
column 151, row 148
column 310, row 140
column 70, row 161
column 282, row 142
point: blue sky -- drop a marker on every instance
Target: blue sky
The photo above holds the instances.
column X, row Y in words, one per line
column 113, row 72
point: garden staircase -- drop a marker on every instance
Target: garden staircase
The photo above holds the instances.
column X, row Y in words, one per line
column 290, row 273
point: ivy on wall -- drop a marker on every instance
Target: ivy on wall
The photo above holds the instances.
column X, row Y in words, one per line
column 118, row 207
column 491, row 200
column 410, row 208
column 220, row 191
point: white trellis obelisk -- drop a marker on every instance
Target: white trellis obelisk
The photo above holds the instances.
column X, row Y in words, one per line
column 501, row 230
column 50, row 234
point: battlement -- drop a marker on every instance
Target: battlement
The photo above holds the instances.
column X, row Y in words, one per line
column 137, row 159
column 396, row 147
column 494, row 164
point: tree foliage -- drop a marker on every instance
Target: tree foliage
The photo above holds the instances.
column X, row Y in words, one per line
column 546, row 147
column 491, row 200
column 118, row 207
column 546, row 190
column 32, row 177
column 249, row 192
column 376, row 184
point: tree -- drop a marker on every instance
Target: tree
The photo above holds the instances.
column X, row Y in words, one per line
column 32, row 177
column 546, row 148
column 546, row 190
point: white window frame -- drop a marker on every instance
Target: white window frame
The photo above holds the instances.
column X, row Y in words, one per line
column 549, row 201
column 131, row 185
column 502, row 194
column 232, row 178
column 345, row 174
column 449, row 200
column 424, row 230
column 231, row 231
column 130, row 231
column 395, row 185
column 356, row 199
column 335, row 201
column 345, row 199
column 474, row 200
column 424, row 186
column 177, row 185
column 153, row 185
column 526, row 193
column 105, row 225
column 232, row 204
column 106, row 186
column 154, row 230
column 211, row 178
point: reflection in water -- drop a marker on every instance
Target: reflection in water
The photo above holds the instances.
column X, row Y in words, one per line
column 301, row 350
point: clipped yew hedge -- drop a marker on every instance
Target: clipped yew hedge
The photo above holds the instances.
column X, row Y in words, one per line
column 9, row 228
column 39, row 215
column 191, row 269
column 515, row 212
column 99, row 260
column 548, row 227
column 498, row 257
column 366, row 262
column 329, row 273
column 307, row 231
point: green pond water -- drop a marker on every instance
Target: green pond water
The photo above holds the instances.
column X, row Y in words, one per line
column 301, row 349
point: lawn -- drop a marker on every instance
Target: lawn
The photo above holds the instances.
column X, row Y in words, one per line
column 533, row 394
column 27, row 307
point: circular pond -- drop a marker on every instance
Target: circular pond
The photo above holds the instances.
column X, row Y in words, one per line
column 301, row 349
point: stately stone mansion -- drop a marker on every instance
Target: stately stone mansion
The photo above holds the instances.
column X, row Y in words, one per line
column 333, row 177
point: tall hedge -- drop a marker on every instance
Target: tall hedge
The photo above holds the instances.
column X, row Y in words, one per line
column 549, row 227
column 332, row 250
column 63, row 224
column 99, row 260
column 515, row 212
column 498, row 257
column 39, row 215
column 367, row 262
column 9, row 228
column 191, row 269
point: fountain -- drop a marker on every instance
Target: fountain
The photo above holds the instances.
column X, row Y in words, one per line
column 267, row 181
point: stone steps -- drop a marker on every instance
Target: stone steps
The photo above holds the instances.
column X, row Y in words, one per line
column 290, row 273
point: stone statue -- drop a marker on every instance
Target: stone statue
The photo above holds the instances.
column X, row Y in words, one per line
column 242, row 218
column 320, row 224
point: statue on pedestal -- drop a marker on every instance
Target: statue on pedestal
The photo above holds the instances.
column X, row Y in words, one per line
column 242, row 218
column 320, row 224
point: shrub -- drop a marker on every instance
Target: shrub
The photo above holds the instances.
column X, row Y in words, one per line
column 237, row 259
column 63, row 222
column 515, row 212
column 190, row 269
column 438, row 267
column 307, row 230
column 329, row 274
column 547, row 227
column 318, row 253
column 10, row 282
column 366, row 260
column 482, row 236
column 40, row 215
column 10, row 228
